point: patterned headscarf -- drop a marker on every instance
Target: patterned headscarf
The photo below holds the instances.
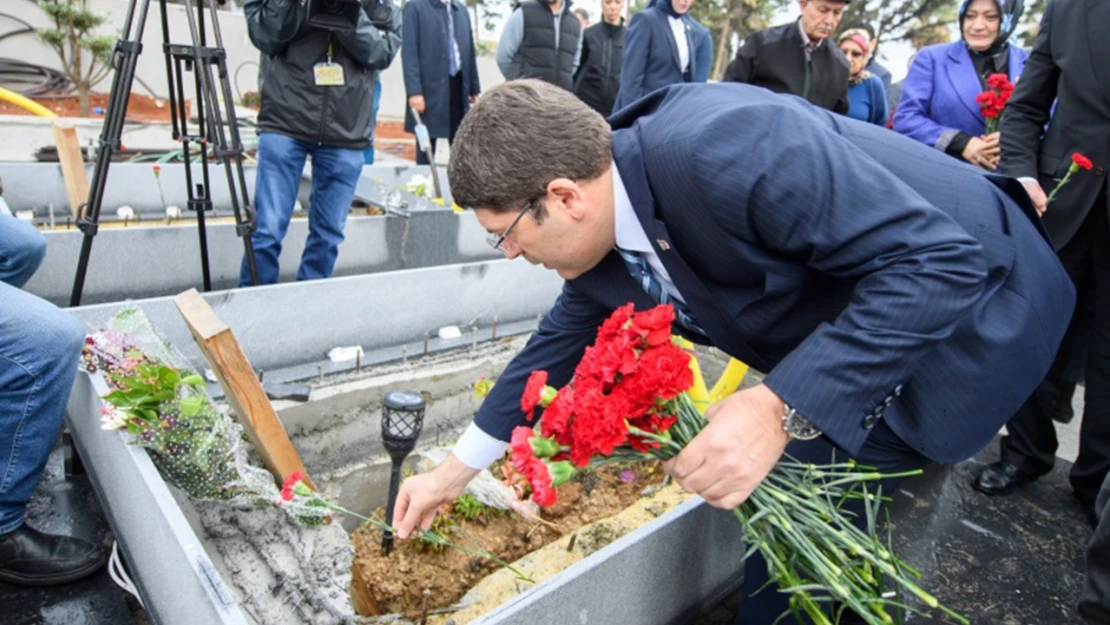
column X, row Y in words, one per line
column 1010, row 11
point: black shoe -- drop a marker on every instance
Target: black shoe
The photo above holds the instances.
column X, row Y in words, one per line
column 1088, row 507
column 1001, row 478
column 31, row 558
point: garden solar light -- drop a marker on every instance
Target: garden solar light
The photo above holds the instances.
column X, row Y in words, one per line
column 402, row 420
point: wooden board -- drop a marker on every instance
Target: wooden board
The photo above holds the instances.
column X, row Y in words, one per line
column 73, row 164
column 240, row 383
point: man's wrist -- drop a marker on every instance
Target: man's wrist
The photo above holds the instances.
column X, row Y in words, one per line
column 477, row 450
column 773, row 405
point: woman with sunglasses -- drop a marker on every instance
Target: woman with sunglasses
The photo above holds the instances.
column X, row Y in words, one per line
column 866, row 95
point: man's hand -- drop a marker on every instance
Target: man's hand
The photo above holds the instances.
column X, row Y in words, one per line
column 474, row 98
column 736, row 451
column 422, row 495
column 1036, row 193
column 416, row 103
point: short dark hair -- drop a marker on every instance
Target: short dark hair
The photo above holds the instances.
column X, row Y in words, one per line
column 519, row 137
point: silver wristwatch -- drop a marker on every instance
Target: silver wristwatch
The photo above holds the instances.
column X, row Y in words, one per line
column 798, row 427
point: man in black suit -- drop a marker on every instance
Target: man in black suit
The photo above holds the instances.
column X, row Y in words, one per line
column 796, row 58
column 1068, row 67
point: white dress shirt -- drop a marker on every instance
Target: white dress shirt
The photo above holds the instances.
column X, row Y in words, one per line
column 678, row 29
column 477, row 449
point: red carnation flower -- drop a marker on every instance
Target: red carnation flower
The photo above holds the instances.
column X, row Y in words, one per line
column 654, row 325
column 557, row 417
column 292, row 480
column 531, row 467
column 614, row 325
column 1082, row 161
column 999, row 82
column 532, row 391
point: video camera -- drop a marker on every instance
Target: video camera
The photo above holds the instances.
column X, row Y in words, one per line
column 343, row 14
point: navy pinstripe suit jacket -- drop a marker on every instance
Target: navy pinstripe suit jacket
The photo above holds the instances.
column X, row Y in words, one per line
column 843, row 259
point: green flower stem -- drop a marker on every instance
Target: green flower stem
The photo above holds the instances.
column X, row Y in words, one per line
column 1067, row 178
column 662, row 439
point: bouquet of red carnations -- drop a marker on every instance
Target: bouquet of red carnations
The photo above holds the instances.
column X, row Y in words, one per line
column 627, row 401
column 994, row 99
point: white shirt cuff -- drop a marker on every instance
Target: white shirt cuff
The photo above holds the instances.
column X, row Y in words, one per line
column 478, row 450
column 1028, row 179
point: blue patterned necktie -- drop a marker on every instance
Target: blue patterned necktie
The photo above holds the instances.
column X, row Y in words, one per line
column 452, row 46
column 645, row 277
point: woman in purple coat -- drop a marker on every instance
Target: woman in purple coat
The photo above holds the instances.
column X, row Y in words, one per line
column 938, row 106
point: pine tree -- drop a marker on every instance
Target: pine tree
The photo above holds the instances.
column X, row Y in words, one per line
column 84, row 55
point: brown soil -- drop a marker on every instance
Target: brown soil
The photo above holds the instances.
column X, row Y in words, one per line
column 392, row 130
column 140, row 107
column 398, row 581
column 391, row 138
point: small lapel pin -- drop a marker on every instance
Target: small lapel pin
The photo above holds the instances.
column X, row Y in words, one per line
column 663, row 245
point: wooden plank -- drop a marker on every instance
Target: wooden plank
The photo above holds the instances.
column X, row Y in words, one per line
column 244, row 391
column 73, row 164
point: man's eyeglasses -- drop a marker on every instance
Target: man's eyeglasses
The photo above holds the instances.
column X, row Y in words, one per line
column 497, row 240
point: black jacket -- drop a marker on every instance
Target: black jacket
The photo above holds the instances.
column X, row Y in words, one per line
column 1068, row 66
column 775, row 59
column 538, row 56
column 599, row 71
column 292, row 103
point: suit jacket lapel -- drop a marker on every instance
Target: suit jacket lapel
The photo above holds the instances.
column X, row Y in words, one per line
column 961, row 73
column 670, row 37
column 704, row 307
column 1097, row 13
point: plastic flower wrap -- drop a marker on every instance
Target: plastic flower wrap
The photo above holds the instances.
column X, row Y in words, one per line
column 420, row 186
column 165, row 408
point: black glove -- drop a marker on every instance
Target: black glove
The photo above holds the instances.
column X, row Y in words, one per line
column 380, row 13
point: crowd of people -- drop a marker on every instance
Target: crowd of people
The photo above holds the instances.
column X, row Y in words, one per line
column 907, row 332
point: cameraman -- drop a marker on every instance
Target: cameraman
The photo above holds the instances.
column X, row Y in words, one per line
column 316, row 99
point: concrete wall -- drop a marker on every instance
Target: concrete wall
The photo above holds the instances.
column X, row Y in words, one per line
column 242, row 57
column 283, row 325
column 38, row 186
column 140, row 262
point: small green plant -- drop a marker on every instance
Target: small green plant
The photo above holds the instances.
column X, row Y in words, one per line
column 438, row 537
column 468, row 507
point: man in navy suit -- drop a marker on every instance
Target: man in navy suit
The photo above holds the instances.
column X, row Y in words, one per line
column 876, row 281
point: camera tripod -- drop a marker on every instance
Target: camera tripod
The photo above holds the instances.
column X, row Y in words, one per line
column 200, row 59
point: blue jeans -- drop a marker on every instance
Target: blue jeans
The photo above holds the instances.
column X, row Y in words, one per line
column 22, row 248
column 39, row 350
column 368, row 153
column 335, row 173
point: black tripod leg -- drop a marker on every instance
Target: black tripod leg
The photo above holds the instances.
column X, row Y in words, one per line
column 124, row 58
column 233, row 151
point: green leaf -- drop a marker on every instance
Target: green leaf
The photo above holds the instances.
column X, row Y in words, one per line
column 193, row 380
column 51, row 36
column 190, row 406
